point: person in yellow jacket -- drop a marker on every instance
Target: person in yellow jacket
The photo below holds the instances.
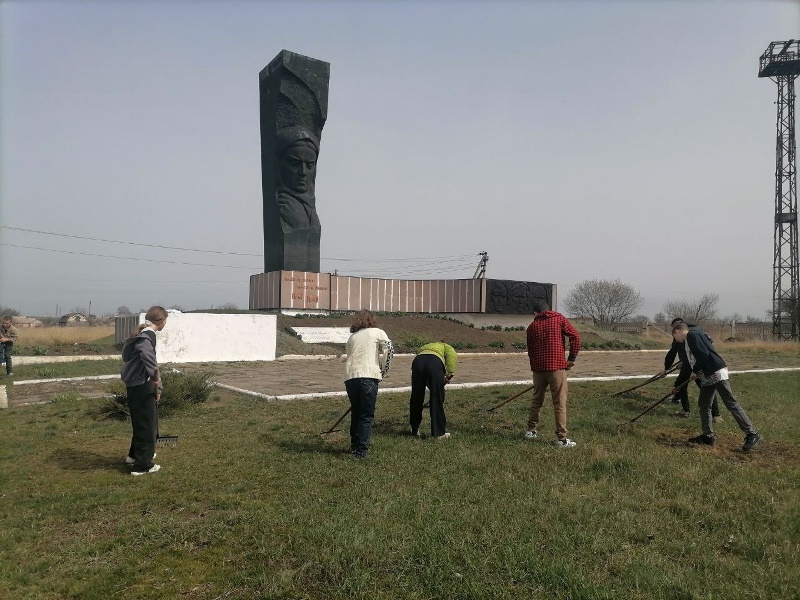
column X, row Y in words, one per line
column 433, row 367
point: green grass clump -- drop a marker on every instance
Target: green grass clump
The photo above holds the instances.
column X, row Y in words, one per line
column 181, row 390
column 254, row 503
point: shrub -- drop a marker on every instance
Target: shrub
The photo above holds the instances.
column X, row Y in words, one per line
column 39, row 351
column 497, row 344
column 181, row 390
column 492, row 328
column 458, row 345
column 519, row 345
column 415, row 342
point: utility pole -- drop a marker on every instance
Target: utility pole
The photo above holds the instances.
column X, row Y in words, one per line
column 480, row 271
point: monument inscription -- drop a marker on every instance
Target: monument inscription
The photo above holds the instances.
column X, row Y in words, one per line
column 293, row 107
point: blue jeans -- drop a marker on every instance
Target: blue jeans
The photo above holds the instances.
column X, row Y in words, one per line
column 363, row 392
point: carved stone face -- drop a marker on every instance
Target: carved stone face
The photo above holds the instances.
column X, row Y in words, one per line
column 297, row 168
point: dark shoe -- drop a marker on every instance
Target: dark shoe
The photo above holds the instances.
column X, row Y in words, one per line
column 358, row 455
column 751, row 440
column 708, row 440
column 415, row 432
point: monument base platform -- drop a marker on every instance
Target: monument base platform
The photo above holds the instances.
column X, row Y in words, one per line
column 303, row 291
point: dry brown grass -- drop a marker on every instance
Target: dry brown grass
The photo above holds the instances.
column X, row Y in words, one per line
column 55, row 336
column 762, row 345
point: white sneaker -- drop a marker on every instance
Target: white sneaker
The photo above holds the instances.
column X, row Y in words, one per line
column 444, row 436
column 152, row 469
column 530, row 435
column 414, row 432
column 130, row 461
column 566, row 443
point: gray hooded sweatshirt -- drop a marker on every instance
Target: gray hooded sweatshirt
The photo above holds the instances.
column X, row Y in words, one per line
column 139, row 359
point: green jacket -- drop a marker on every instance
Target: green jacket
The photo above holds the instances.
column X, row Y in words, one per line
column 445, row 352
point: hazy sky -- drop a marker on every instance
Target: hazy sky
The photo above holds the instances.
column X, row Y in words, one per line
column 571, row 140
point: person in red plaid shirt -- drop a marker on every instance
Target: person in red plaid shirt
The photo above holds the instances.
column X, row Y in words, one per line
column 546, row 352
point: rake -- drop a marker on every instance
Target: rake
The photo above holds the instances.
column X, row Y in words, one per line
column 683, row 385
column 340, row 419
column 507, row 400
column 164, row 440
column 655, row 377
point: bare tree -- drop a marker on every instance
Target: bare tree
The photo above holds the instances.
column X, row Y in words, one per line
column 604, row 300
column 80, row 310
column 660, row 318
column 8, row 311
column 123, row 311
column 704, row 309
column 228, row 306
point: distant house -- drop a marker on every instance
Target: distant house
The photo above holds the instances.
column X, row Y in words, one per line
column 26, row 322
column 74, row 320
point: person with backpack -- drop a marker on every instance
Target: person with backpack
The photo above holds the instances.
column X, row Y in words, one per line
column 143, row 383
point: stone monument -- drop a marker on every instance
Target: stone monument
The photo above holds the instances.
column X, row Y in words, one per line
column 293, row 107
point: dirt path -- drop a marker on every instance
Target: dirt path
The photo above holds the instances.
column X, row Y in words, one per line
column 326, row 375
column 315, row 375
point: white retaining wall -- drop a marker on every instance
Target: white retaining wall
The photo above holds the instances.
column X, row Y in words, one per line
column 205, row 337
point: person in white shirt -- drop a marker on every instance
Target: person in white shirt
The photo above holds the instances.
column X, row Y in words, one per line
column 369, row 352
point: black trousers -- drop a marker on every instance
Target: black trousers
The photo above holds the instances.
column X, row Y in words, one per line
column 144, row 422
column 427, row 370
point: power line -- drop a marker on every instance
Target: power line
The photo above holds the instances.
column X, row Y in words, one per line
column 80, row 237
column 94, row 239
column 172, row 262
column 421, row 258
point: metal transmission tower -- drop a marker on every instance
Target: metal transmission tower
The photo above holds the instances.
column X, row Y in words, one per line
column 781, row 63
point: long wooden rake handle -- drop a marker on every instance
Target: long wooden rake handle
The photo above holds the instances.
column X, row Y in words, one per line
column 683, row 385
column 333, row 427
column 507, row 400
column 655, row 377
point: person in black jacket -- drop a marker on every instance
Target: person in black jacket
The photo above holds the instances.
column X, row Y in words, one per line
column 708, row 367
column 683, row 393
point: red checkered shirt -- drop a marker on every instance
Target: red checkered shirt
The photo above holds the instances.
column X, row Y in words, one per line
column 546, row 341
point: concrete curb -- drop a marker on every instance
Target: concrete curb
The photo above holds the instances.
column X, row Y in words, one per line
column 58, row 379
column 464, row 386
column 43, row 360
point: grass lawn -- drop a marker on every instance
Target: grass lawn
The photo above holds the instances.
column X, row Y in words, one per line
column 253, row 503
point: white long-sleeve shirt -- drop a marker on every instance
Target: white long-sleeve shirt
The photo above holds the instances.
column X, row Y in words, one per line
column 369, row 352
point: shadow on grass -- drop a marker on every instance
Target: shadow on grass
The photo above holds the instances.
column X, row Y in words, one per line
column 333, row 444
column 72, row 459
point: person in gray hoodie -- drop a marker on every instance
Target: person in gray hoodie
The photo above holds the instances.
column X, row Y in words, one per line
column 143, row 382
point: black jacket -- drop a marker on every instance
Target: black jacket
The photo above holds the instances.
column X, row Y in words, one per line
column 673, row 351
column 707, row 359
